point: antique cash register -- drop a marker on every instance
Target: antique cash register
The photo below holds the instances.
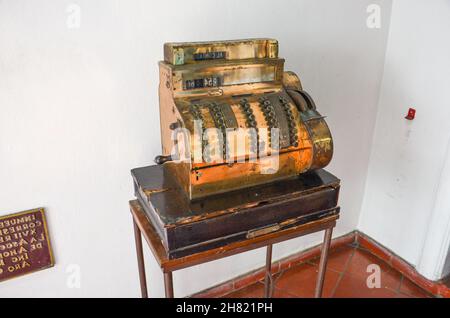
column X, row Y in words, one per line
column 243, row 147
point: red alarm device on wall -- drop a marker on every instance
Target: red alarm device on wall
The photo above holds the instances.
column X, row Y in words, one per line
column 411, row 114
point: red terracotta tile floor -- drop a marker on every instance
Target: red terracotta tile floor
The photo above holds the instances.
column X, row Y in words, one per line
column 349, row 271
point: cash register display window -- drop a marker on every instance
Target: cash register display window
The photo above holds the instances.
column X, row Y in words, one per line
column 234, row 76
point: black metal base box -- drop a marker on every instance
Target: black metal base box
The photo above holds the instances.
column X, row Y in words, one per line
column 186, row 227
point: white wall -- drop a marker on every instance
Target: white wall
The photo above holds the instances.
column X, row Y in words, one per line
column 79, row 109
column 406, row 205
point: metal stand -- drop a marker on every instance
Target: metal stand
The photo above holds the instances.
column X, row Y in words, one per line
column 268, row 281
column 323, row 262
column 140, row 259
column 168, row 284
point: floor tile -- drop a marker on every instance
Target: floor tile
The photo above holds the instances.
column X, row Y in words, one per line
column 390, row 279
column 248, row 279
column 360, row 261
column 300, row 281
column 337, row 259
column 346, row 277
column 401, row 295
column 446, row 281
column 257, row 291
column 411, row 289
column 351, row 286
column 373, row 248
column 359, row 266
column 277, row 293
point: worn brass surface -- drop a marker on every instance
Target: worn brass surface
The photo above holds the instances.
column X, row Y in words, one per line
column 186, row 53
column 235, row 92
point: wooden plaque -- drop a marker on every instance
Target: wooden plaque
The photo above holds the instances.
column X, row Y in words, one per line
column 24, row 244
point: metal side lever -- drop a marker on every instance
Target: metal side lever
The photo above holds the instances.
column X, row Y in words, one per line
column 163, row 159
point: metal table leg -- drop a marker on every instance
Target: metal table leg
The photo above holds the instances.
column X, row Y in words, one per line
column 140, row 259
column 168, row 284
column 268, row 277
column 323, row 262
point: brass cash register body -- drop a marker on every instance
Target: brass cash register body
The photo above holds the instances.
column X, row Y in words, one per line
column 217, row 94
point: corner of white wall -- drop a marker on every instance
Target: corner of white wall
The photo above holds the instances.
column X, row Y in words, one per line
column 417, row 226
column 360, row 221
